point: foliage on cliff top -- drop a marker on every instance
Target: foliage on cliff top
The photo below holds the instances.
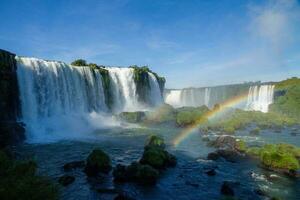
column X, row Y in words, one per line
column 79, row 62
column 288, row 100
column 19, row 180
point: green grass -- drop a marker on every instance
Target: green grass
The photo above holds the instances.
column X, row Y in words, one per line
column 187, row 116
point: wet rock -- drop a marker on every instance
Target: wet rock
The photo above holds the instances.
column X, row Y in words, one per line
column 224, row 142
column 132, row 117
column 226, row 189
column 228, row 155
column 97, row 162
column 260, row 192
column 155, row 154
column 210, row 172
column 73, row 165
column 66, row 180
column 136, row 172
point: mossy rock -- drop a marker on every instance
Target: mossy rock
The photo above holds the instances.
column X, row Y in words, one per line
column 132, row 117
column 147, row 175
column 155, row 141
column 158, row 158
column 19, row 180
column 136, row 172
column 97, row 162
column 66, row 180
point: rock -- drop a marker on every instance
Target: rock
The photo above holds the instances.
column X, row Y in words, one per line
column 73, row 165
column 66, row 180
column 11, row 133
column 155, row 141
column 97, row 162
column 136, row 172
column 260, row 192
column 132, row 117
column 123, row 196
column 227, row 142
column 211, row 172
column 228, row 155
column 213, row 156
column 147, row 175
column 157, row 158
column 120, row 173
column 226, row 189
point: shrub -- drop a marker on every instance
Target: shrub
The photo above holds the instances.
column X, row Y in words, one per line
column 79, row 62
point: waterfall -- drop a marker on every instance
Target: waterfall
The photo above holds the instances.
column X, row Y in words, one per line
column 57, row 98
column 155, row 94
column 123, row 89
column 173, row 97
column 260, row 97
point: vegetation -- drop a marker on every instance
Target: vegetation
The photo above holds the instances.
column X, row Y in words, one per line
column 79, row 62
column 18, row 180
column 277, row 156
column 287, row 98
column 141, row 78
column 106, row 82
column 188, row 115
column 164, row 113
column 240, row 119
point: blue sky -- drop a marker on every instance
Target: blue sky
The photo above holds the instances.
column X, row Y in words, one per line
column 191, row 43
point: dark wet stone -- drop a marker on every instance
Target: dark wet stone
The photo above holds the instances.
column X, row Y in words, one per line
column 227, row 154
column 211, row 172
column 136, row 172
column 73, row 165
column 97, row 162
column 213, row 156
column 123, row 196
column 260, row 192
column 226, row 189
column 66, row 180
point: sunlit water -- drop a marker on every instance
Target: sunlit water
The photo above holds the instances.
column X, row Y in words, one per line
column 187, row 180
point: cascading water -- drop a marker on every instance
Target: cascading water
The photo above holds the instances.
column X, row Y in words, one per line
column 123, row 89
column 173, row 97
column 63, row 100
column 155, row 94
column 260, row 97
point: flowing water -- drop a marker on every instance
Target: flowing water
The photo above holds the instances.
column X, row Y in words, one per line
column 259, row 96
column 187, row 180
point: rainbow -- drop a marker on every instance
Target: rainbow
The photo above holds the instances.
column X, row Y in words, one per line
column 209, row 116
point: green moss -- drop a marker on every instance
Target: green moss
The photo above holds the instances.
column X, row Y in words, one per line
column 277, row 156
column 187, row 116
column 19, row 180
column 241, row 145
column 155, row 141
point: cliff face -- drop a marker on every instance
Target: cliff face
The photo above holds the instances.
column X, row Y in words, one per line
column 10, row 130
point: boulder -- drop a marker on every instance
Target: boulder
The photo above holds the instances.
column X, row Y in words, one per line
column 136, row 172
column 66, row 180
column 73, row 165
column 97, row 162
column 226, row 189
column 228, row 142
column 228, row 155
column 210, row 172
